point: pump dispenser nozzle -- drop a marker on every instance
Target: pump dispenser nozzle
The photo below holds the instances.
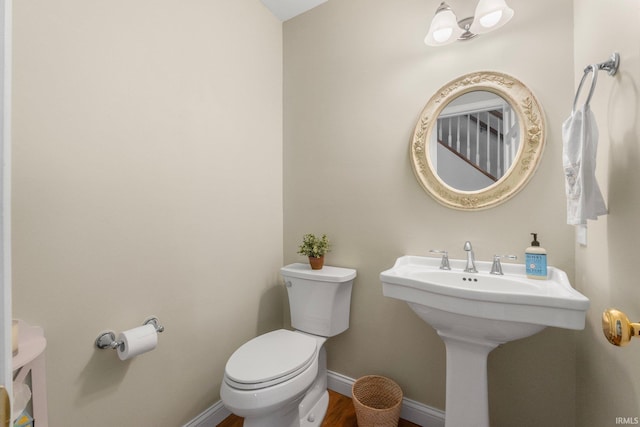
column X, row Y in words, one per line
column 535, row 240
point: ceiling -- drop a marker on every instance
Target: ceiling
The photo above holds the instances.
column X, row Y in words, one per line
column 287, row 9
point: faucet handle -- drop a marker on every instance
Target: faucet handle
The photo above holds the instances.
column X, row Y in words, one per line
column 444, row 264
column 496, row 268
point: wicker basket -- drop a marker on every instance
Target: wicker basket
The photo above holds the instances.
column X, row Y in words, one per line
column 377, row 400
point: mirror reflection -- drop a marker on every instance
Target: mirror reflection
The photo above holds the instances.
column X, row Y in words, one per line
column 475, row 141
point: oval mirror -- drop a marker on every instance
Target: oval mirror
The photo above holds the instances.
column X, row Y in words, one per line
column 478, row 141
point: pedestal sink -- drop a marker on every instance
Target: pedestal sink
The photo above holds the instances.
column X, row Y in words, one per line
column 473, row 313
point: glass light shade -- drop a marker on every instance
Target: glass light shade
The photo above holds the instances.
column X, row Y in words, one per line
column 444, row 27
column 490, row 14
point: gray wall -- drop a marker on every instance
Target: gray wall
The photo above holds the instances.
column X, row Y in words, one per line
column 147, row 180
column 606, row 270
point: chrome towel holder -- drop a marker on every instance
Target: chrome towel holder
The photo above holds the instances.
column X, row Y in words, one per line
column 611, row 67
column 107, row 339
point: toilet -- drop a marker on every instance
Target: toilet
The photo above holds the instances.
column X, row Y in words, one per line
column 279, row 379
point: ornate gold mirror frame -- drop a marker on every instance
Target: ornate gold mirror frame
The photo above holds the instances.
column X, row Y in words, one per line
column 532, row 140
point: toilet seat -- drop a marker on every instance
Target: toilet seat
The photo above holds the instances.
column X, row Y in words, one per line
column 270, row 359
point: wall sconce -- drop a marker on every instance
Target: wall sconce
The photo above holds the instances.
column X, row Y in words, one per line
column 445, row 27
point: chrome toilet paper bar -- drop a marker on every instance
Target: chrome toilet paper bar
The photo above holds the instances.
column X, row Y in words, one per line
column 107, row 339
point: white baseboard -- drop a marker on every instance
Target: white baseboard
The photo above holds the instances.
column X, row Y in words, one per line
column 416, row 412
column 211, row 417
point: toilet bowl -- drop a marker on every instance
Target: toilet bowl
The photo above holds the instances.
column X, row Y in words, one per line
column 279, row 379
column 267, row 378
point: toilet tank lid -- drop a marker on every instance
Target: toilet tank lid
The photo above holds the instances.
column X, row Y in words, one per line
column 326, row 274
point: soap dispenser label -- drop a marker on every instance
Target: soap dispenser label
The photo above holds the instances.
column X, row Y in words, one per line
column 536, row 265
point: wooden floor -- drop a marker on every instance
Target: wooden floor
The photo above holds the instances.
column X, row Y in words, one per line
column 341, row 413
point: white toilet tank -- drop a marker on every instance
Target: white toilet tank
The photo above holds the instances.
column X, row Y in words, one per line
column 319, row 300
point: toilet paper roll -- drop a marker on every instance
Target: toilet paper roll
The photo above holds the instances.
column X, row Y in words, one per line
column 137, row 341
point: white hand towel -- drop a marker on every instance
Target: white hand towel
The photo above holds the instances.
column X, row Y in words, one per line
column 580, row 146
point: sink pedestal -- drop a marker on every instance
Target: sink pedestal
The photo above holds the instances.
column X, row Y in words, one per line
column 468, row 341
column 467, row 395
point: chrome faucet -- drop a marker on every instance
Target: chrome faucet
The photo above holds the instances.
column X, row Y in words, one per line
column 444, row 263
column 471, row 262
column 496, row 268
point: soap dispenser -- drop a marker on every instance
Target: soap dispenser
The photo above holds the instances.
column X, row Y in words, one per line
column 536, row 260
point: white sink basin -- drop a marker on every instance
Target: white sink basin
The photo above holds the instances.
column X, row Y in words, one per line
column 475, row 312
column 511, row 297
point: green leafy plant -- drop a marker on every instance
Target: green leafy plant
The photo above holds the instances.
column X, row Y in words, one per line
column 314, row 246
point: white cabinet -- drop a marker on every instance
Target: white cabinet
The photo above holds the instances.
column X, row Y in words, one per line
column 30, row 359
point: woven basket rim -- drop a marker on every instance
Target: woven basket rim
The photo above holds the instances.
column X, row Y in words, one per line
column 392, row 385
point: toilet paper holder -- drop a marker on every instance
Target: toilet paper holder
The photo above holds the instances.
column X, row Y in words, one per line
column 108, row 339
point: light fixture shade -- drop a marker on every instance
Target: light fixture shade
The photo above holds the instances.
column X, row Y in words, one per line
column 444, row 27
column 490, row 14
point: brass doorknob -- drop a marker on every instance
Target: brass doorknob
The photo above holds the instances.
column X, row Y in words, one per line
column 617, row 327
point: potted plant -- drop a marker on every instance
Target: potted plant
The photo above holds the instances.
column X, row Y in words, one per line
column 315, row 248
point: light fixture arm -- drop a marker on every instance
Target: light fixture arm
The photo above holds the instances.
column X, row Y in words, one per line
column 465, row 24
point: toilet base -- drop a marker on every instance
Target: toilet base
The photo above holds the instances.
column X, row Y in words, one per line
column 286, row 417
column 306, row 410
column 293, row 417
column 314, row 406
column 316, row 415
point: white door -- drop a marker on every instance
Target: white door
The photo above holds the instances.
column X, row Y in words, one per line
column 5, row 212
